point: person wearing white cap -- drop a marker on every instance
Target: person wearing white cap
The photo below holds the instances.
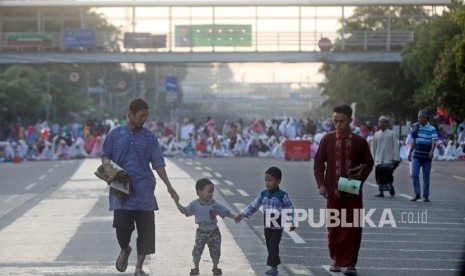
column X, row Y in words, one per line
column 385, row 150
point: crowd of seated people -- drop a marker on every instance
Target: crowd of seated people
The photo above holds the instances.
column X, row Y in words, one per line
column 52, row 142
column 256, row 138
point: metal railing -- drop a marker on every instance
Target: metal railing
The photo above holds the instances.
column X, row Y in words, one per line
column 359, row 41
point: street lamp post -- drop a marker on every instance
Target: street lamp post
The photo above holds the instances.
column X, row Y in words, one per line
column 48, row 100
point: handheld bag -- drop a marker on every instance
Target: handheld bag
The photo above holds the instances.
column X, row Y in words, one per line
column 349, row 186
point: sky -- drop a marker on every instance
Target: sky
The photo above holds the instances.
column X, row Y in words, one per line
column 272, row 19
column 278, row 72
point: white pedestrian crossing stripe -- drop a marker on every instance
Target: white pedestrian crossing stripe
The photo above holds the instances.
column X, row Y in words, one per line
column 242, row 192
column 215, row 182
column 226, row 192
column 229, row 182
column 207, row 174
column 239, row 206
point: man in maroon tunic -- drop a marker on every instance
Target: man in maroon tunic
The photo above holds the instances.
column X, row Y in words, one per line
column 338, row 152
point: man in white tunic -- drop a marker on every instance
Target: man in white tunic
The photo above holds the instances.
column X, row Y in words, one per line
column 385, row 150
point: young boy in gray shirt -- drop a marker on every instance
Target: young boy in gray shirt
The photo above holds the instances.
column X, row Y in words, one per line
column 205, row 209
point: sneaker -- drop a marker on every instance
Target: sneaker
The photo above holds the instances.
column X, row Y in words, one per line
column 415, row 198
column 381, row 194
column 426, row 200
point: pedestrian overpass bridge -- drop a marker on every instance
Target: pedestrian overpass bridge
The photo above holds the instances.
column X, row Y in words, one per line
column 199, row 31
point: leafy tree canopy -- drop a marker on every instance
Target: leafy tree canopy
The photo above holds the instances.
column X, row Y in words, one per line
column 377, row 88
column 435, row 62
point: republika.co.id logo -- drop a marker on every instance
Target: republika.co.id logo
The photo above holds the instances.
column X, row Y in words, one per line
column 341, row 218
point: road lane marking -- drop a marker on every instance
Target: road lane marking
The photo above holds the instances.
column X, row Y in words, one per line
column 458, row 177
column 299, row 270
column 294, row 236
column 30, row 186
column 42, row 177
column 406, row 196
column 62, row 268
column 199, row 168
column 218, row 175
column 326, row 267
column 242, row 192
column 371, row 184
column 226, row 192
column 239, row 206
column 51, row 170
column 215, row 182
column 52, row 222
column 207, row 174
column 10, row 198
column 208, row 168
column 229, row 182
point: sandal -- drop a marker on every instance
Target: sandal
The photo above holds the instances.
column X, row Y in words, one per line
column 350, row 271
column 334, row 268
column 194, row 271
column 217, row 271
column 140, row 273
column 272, row 272
column 122, row 261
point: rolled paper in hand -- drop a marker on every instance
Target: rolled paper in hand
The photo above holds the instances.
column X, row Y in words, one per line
column 349, row 186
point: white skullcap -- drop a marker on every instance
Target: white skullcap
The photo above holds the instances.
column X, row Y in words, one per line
column 383, row 118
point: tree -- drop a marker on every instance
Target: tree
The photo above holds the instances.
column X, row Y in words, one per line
column 378, row 88
column 435, row 62
column 20, row 92
column 50, row 87
column 27, row 92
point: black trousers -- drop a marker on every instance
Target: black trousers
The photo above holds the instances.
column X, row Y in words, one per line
column 273, row 238
column 384, row 174
column 384, row 177
column 123, row 222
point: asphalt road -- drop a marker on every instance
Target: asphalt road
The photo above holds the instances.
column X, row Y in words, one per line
column 420, row 238
column 23, row 185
